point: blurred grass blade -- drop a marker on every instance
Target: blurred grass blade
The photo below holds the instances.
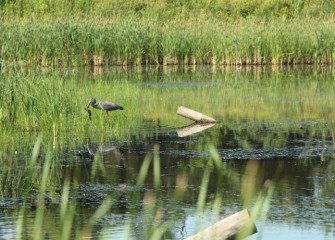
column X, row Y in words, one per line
column 157, row 168
column 36, row 151
column 144, row 170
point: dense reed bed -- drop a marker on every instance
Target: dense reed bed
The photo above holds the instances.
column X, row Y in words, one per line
column 116, row 41
column 136, row 33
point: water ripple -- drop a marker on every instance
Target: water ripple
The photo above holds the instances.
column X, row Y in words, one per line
column 240, row 153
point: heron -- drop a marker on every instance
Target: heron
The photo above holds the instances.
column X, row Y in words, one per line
column 102, row 105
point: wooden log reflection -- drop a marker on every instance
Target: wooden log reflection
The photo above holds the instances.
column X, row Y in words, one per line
column 193, row 128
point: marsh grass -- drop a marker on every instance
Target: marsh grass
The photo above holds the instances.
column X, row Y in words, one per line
column 198, row 40
column 285, row 32
column 54, row 102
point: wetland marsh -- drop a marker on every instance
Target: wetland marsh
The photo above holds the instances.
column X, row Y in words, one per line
column 132, row 176
column 145, row 172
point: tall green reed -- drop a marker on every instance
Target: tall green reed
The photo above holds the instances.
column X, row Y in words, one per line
column 146, row 41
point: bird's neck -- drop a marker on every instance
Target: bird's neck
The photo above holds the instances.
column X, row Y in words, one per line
column 95, row 105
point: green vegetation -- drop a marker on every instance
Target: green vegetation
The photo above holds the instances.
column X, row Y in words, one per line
column 54, row 101
column 48, row 105
column 168, row 9
column 136, row 32
column 258, row 108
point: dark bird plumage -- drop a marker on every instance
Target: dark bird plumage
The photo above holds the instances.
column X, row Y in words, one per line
column 103, row 105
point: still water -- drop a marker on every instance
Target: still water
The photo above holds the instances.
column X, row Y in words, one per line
column 283, row 139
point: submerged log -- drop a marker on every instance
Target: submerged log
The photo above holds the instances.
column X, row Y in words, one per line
column 194, row 115
column 193, row 128
column 239, row 224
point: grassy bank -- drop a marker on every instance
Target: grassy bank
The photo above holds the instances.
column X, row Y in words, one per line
column 166, row 33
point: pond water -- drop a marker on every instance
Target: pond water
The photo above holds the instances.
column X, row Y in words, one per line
column 277, row 133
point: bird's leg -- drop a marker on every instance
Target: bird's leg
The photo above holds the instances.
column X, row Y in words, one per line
column 106, row 113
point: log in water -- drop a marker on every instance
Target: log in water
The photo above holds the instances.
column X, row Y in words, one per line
column 239, row 224
column 193, row 128
column 194, row 115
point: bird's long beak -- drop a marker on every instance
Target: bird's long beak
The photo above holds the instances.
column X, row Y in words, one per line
column 89, row 103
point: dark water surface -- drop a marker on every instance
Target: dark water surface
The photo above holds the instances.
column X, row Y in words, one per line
column 295, row 155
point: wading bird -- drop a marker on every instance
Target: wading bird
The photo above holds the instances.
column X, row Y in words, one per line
column 102, row 105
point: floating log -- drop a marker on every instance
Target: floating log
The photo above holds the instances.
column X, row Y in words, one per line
column 238, row 224
column 193, row 128
column 194, row 115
